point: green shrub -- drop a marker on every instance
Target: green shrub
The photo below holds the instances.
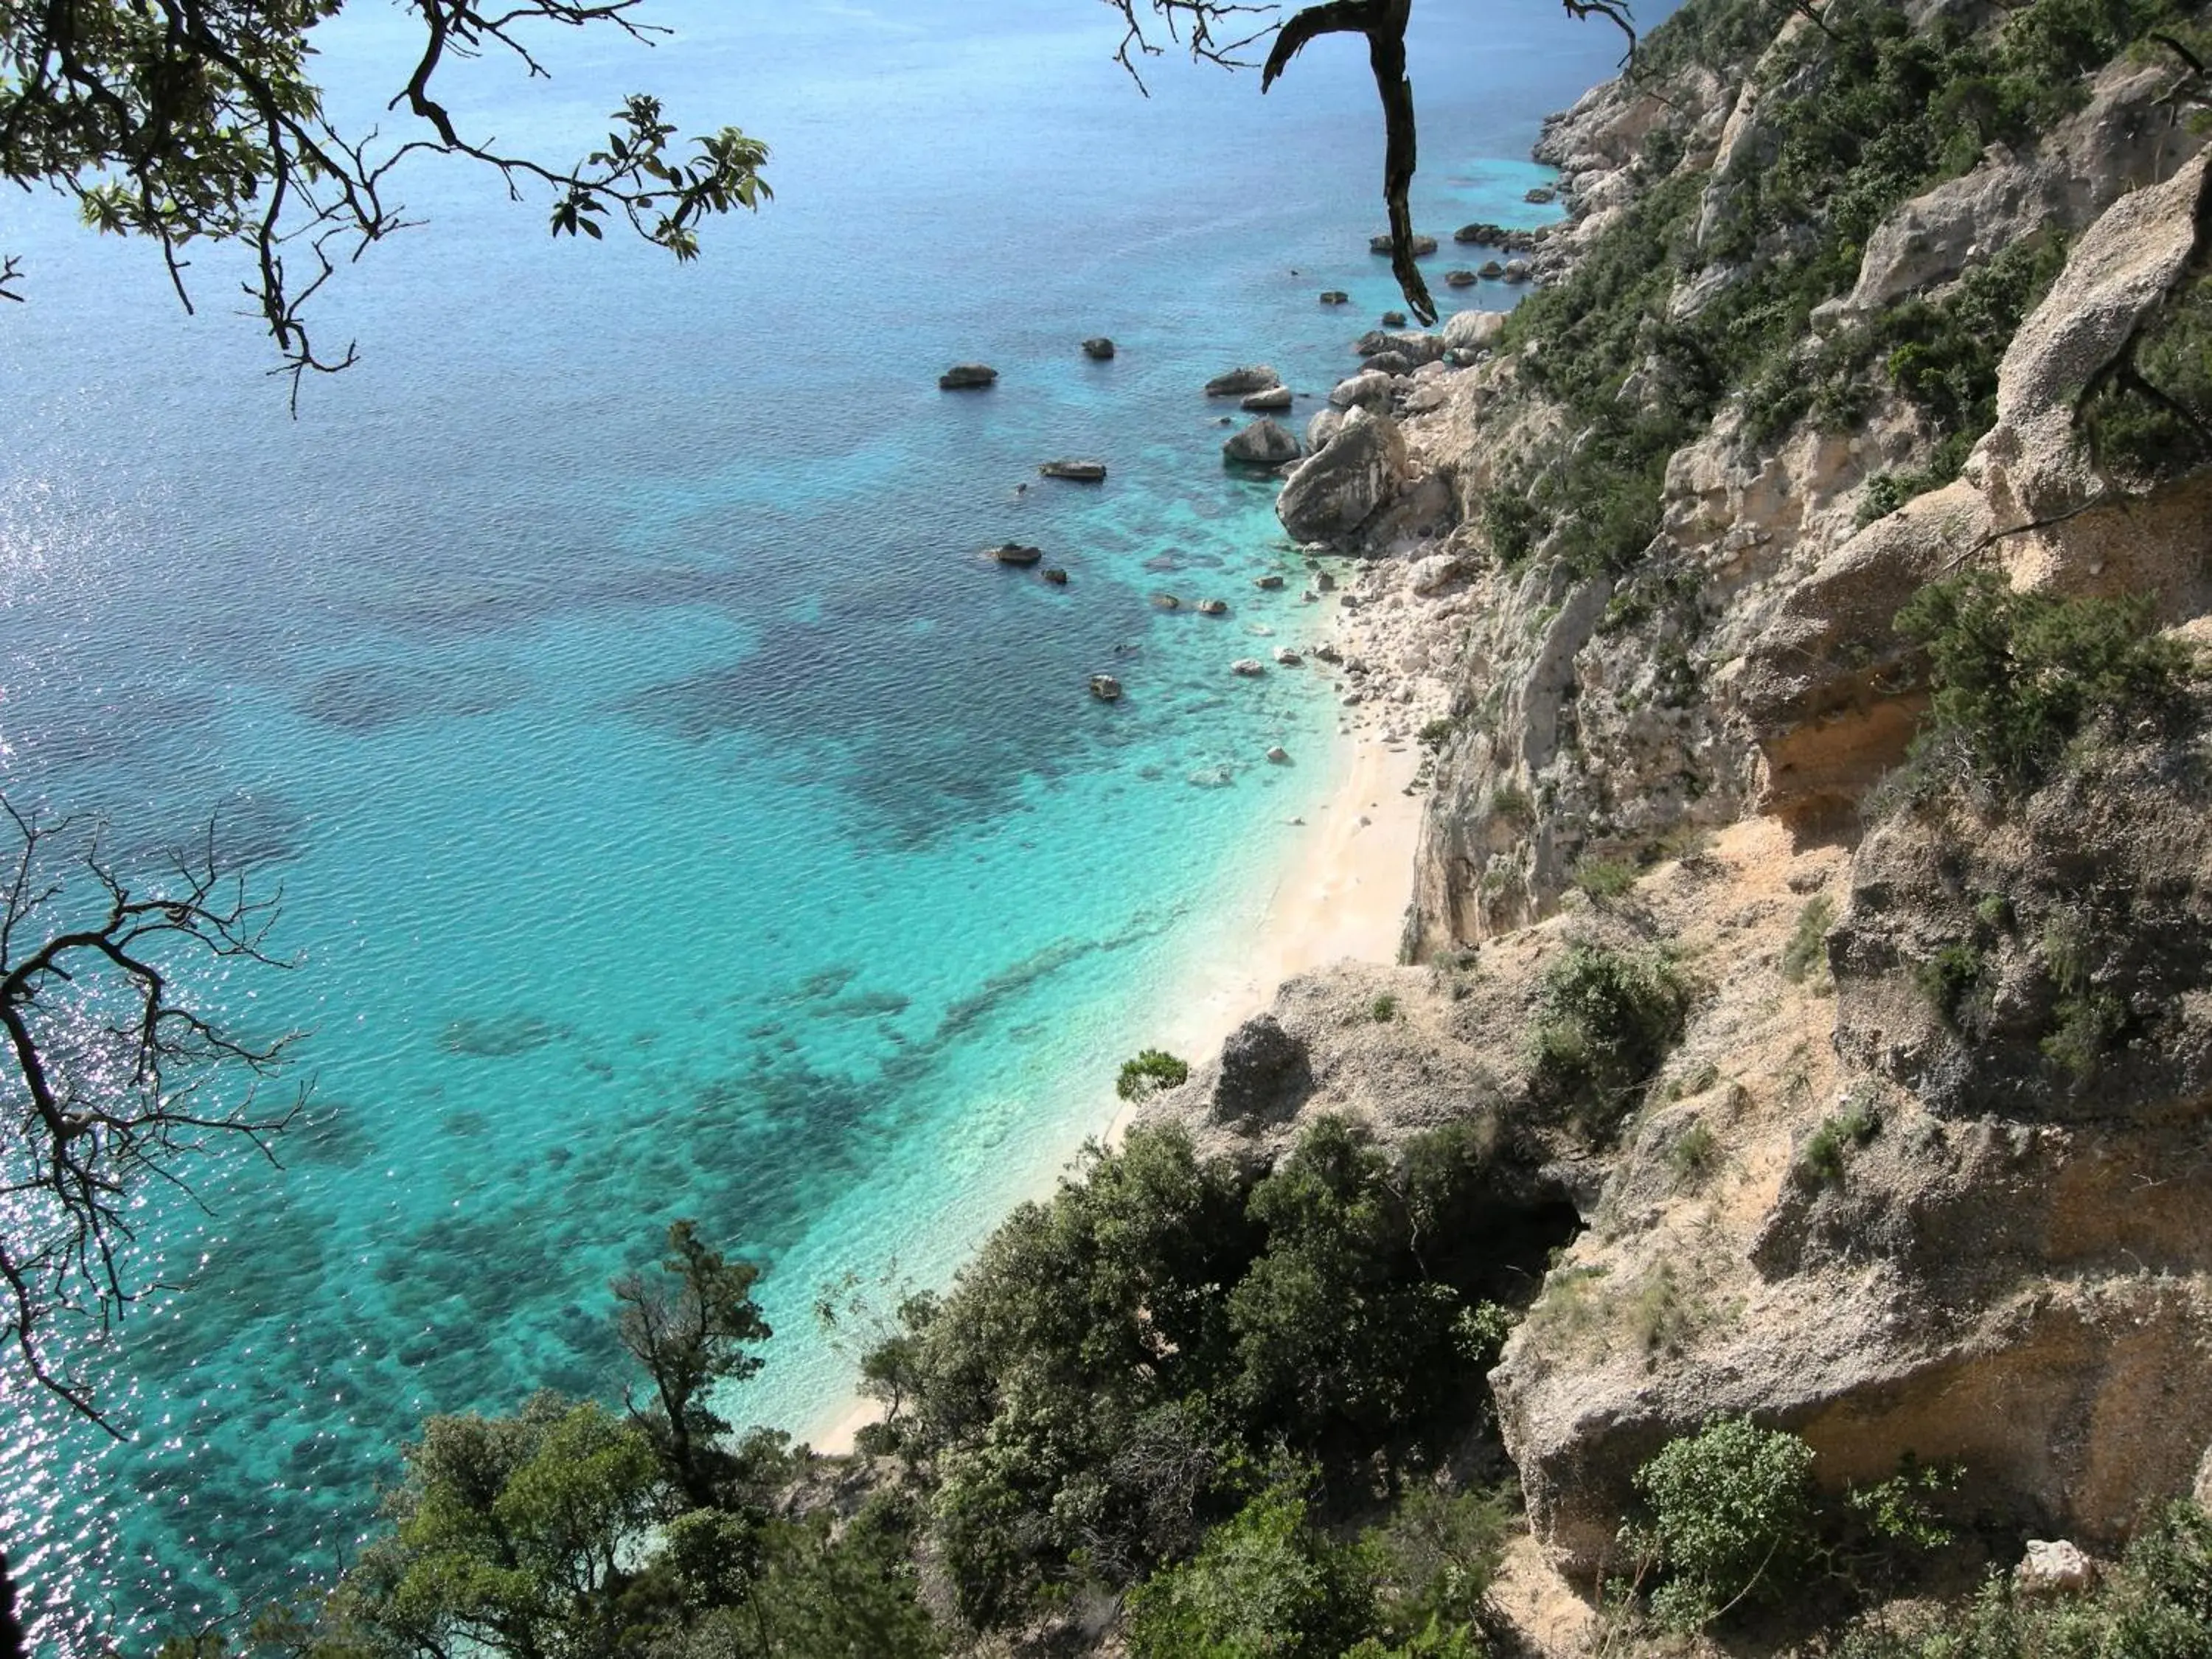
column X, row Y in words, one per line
column 1950, row 977
column 1437, row 731
column 1808, row 946
column 1152, row 1069
column 2085, row 1022
column 1692, row 1155
column 1606, row 1019
column 2020, row 677
column 1266, row 1584
column 1435, row 1560
column 1855, row 1125
column 1512, row 805
column 1732, row 1518
column 1606, row 879
column 2153, row 417
column 1384, row 1009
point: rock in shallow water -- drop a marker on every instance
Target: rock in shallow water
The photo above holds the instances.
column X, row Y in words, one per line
column 1272, row 401
column 1263, row 443
column 1240, row 382
column 966, row 377
column 1075, row 471
column 1016, row 554
column 1099, row 348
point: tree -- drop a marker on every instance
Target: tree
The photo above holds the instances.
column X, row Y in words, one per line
column 511, row 1536
column 689, row 1330
column 199, row 121
column 117, row 1067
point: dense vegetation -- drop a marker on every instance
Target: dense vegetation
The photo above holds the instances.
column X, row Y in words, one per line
column 1861, row 112
column 1168, row 1339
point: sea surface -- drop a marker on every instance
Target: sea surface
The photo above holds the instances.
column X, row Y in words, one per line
column 673, row 814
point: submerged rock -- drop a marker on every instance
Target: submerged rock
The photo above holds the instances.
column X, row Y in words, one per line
column 1335, row 296
column 1056, row 576
column 1213, row 607
column 1279, row 755
column 1249, row 667
column 1075, row 471
column 1166, row 602
column 1270, row 582
column 1460, row 278
column 1393, row 320
column 966, row 377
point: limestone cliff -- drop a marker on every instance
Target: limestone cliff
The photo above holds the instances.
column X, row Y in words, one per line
column 1644, row 546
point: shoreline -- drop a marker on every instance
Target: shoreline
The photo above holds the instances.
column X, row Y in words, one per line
column 1341, row 893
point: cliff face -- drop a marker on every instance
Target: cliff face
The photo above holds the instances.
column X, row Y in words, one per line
column 1648, row 548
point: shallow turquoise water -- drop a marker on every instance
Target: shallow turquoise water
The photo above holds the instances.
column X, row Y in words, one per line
column 674, row 815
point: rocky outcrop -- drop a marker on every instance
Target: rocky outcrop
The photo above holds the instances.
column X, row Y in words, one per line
column 1335, row 492
column 1098, row 349
column 968, row 377
column 1075, row 471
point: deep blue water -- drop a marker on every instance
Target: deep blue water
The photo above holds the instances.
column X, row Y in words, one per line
column 674, row 816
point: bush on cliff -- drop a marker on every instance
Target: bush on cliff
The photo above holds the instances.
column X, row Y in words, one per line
column 2156, row 1605
column 2019, row 678
column 1118, row 1368
column 1605, row 1020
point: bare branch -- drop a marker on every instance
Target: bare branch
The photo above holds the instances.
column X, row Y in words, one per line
column 109, row 1056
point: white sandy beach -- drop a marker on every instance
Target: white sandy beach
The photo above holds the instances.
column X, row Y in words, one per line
column 1342, row 894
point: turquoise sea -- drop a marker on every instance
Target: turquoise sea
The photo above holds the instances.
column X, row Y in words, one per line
column 674, row 816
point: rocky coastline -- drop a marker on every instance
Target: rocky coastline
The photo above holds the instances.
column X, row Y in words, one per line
column 1681, row 758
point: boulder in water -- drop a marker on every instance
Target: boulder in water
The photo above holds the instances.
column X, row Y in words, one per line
column 1105, row 688
column 1272, row 401
column 1098, row 349
column 1014, row 553
column 966, row 377
column 1076, row 471
column 1423, row 246
column 1242, row 382
column 1263, row 443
